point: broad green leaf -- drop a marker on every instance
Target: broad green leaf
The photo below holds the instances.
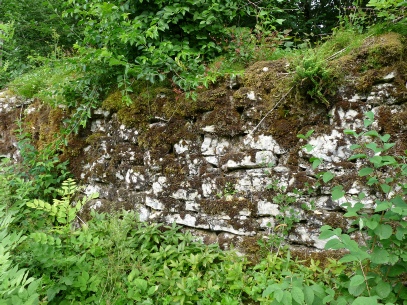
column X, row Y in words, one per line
column 365, row 301
column 297, row 295
column 287, row 298
column 308, row 147
column 357, row 156
column 356, row 280
column 308, row 295
column 351, row 132
column 372, row 133
column 369, row 115
column 376, row 160
column 337, row 192
column 315, row 162
column 354, row 146
column 385, row 188
column 365, row 171
column 372, row 181
column 278, row 295
column 269, row 290
column 327, row 176
column 319, row 290
column 357, row 290
column 384, row 231
column 382, row 205
column 367, row 122
column 385, row 138
column 383, row 289
column 372, row 222
column 152, row 290
column 387, row 146
column 334, row 243
column 373, row 146
column 379, row 256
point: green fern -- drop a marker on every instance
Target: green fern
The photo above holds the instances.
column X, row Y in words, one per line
column 63, row 210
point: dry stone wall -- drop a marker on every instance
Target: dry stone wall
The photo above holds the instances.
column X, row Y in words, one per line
column 208, row 166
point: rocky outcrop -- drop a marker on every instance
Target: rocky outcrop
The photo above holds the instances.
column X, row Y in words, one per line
column 208, row 164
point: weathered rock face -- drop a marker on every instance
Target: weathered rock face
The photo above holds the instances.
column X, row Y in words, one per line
column 207, row 164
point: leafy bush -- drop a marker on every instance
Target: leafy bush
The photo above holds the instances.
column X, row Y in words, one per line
column 16, row 284
column 377, row 264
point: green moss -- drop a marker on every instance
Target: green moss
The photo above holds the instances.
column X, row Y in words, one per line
column 94, row 138
column 226, row 207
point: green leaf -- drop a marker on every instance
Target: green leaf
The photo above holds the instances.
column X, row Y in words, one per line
column 351, row 132
column 297, row 295
column 376, row 160
column 327, row 176
column 365, row 171
column 278, row 295
column 354, row 146
column 334, row 243
column 152, row 290
column 315, row 162
column 372, row 133
column 379, row 256
column 382, row 205
column 385, row 138
column 308, row 295
column 356, row 280
column 357, row 156
column 385, row 188
column 383, row 289
column 308, row 147
column 369, row 115
column 387, row 146
column 384, row 231
column 287, row 298
column 307, row 135
column 365, row 301
column 140, row 284
column 337, row 192
column 372, row 181
column 373, row 146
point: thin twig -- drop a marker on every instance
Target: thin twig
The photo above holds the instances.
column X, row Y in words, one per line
column 282, row 98
column 335, row 54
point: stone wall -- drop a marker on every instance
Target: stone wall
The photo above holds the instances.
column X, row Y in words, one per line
column 208, row 165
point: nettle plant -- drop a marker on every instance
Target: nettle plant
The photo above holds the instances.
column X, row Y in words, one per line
column 378, row 259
